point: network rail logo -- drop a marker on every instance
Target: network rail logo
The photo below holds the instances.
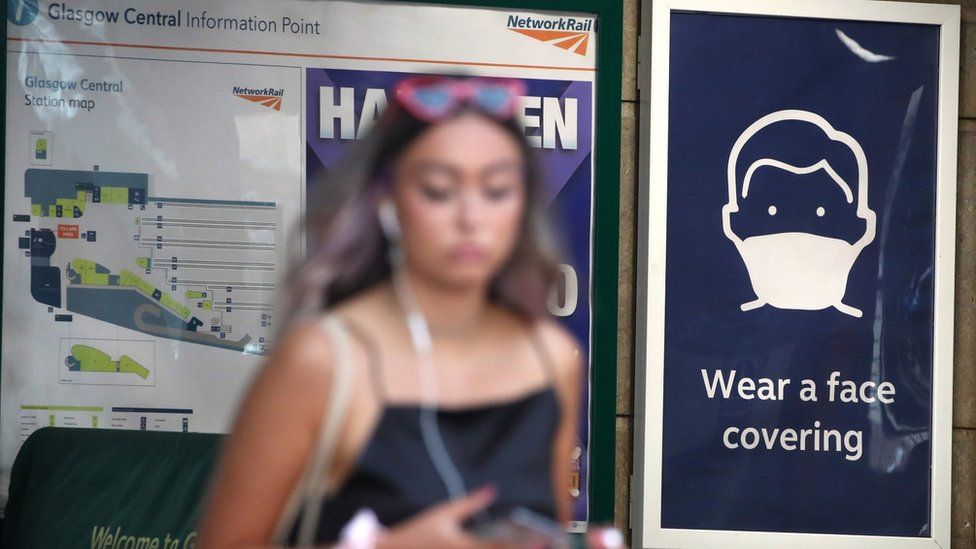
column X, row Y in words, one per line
column 568, row 33
column 269, row 97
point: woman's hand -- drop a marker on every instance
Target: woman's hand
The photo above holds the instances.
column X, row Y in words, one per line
column 441, row 526
column 604, row 537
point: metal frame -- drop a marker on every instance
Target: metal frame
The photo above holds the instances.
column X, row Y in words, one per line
column 654, row 78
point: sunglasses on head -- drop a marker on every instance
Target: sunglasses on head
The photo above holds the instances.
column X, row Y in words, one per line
column 432, row 98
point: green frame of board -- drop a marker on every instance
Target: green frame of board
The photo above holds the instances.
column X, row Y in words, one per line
column 606, row 236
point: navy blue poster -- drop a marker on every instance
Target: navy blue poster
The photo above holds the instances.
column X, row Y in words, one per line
column 557, row 119
column 799, row 280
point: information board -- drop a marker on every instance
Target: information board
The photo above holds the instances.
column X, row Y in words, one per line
column 158, row 157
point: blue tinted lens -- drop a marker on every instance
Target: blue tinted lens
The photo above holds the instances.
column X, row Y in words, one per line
column 437, row 99
column 493, row 98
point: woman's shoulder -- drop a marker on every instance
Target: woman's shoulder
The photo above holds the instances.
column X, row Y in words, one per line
column 564, row 353
column 368, row 307
column 305, row 349
column 561, row 346
column 308, row 347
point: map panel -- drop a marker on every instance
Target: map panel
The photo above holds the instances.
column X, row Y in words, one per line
column 144, row 242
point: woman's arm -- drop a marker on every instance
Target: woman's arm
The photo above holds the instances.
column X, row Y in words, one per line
column 271, row 441
column 568, row 366
column 569, row 373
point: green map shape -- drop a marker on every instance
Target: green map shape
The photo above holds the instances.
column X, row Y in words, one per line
column 90, row 359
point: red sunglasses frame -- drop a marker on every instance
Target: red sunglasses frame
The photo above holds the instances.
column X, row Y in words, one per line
column 461, row 90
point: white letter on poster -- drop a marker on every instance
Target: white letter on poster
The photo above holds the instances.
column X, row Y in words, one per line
column 373, row 106
column 570, row 293
column 329, row 111
column 556, row 120
column 530, row 121
column 718, row 381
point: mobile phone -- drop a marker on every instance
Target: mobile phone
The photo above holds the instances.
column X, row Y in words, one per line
column 524, row 528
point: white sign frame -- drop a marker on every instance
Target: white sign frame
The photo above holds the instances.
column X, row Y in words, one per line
column 652, row 238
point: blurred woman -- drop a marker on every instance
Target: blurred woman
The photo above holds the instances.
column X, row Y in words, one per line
column 435, row 259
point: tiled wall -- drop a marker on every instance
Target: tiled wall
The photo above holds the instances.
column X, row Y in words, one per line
column 964, row 385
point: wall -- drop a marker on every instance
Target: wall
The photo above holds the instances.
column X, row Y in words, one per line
column 964, row 383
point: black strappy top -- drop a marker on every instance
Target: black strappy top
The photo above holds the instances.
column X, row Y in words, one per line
column 506, row 444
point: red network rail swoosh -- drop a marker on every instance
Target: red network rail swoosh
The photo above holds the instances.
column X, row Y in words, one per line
column 568, row 40
column 266, row 100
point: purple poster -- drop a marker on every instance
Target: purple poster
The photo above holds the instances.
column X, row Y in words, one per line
column 558, row 121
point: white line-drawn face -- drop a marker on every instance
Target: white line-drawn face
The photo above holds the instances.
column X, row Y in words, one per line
column 795, row 269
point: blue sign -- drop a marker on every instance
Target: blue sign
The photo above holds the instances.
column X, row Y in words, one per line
column 799, row 281
column 21, row 12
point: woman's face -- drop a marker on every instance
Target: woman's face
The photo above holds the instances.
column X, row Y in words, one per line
column 459, row 192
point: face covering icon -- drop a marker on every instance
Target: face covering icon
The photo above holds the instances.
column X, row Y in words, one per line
column 795, row 269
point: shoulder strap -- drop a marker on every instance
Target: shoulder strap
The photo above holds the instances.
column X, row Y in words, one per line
column 373, row 358
column 304, row 503
column 545, row 357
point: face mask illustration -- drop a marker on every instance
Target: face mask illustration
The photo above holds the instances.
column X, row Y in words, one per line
column 795, row 269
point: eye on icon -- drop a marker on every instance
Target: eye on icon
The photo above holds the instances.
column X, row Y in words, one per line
column 820, row 210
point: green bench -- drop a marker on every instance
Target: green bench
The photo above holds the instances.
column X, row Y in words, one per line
column 108, row 489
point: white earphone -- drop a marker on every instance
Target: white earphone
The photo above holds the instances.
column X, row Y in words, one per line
column 389, row 222
column 423, row 348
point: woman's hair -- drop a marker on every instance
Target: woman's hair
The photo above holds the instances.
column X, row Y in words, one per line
column 348, row 251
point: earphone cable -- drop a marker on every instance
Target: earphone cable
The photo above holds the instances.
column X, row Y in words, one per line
column 429, row 428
